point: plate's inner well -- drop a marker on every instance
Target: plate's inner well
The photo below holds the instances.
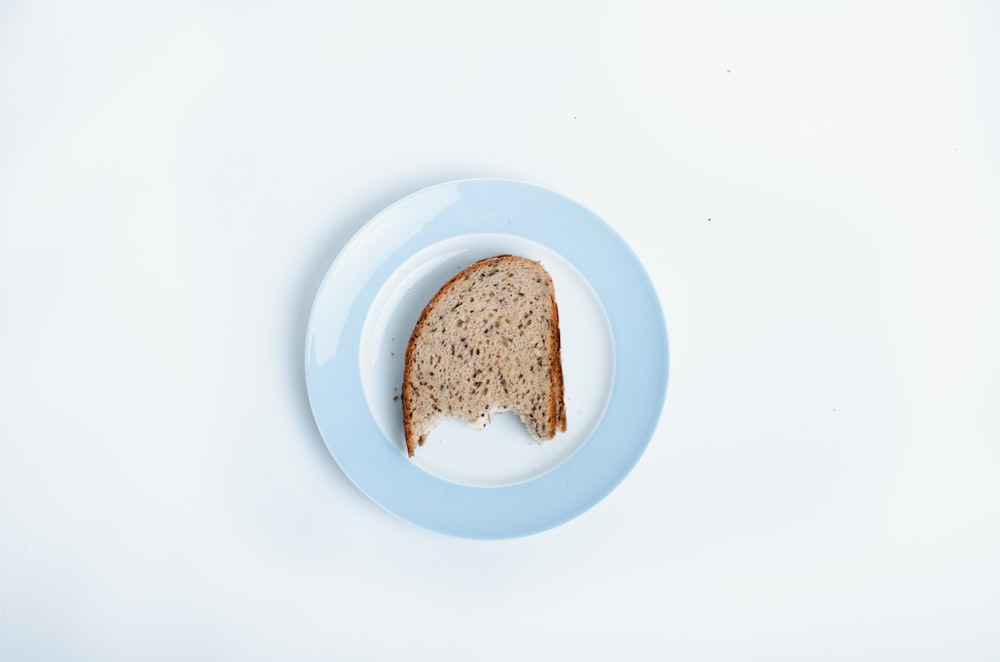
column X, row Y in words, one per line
column 503, row 453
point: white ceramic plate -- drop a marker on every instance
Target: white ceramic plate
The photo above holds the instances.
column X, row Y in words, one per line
column 496, row 482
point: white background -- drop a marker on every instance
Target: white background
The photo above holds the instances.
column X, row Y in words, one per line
column 813, row 188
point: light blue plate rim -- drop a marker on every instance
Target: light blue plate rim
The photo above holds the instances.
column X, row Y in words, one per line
column 452, row 209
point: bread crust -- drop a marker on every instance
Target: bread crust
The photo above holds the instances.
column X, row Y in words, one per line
column 556, row 418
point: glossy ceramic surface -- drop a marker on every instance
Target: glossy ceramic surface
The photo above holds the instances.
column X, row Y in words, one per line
column 496, row 482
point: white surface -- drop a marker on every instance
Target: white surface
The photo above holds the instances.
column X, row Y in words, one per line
column 501, row 452
column 813, row 191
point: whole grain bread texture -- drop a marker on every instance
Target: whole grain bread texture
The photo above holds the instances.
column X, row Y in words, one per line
column 487, row 342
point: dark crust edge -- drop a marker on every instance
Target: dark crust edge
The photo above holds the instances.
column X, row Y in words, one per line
column 557, row 404
column 557, row 407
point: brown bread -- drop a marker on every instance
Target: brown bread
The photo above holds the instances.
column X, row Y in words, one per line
column 487, row 342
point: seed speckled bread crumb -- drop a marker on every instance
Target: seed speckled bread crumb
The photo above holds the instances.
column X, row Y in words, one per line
column 487, row 342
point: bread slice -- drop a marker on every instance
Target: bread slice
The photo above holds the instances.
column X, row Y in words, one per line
column 487, row 342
